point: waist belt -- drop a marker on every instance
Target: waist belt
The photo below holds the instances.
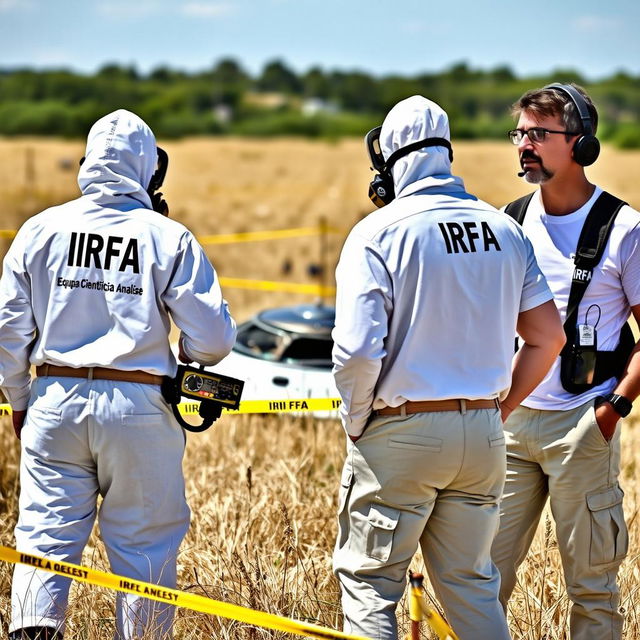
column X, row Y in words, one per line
column 98, row 373
column 426, row 406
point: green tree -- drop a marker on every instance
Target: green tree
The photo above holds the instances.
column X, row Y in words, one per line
column 276, row 76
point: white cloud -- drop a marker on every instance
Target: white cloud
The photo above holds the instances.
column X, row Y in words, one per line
column 596, row 24
column 126, row 10
column 423, row 27
column 207, row 9
column 52, row 58
column 10, row 5
column 414, row 26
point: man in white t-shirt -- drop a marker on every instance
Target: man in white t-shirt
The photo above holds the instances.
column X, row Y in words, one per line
column 430, row 291
column 564, row 445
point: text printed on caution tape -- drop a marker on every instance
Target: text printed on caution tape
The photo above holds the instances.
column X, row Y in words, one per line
column 296, row 405
column 175, row 597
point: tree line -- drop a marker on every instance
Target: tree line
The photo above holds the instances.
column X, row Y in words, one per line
column 227, row 100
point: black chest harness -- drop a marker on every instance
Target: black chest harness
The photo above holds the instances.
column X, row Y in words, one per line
column 593, row 239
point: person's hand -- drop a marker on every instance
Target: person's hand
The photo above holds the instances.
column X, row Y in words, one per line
column 505, row 411
column 182, row 356
column 17, row 417
column 606, row 419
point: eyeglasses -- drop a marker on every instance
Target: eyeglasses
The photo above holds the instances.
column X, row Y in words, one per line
column 535, row 134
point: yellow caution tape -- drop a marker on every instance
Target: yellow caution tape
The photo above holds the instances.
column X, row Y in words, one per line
column 256, row 236
column 175, row 597
column 301, row 405
column 289, row 287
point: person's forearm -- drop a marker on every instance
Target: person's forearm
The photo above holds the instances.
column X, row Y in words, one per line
column 356, row 379
column 629, row 384
column 543, row 336
column 531, row 364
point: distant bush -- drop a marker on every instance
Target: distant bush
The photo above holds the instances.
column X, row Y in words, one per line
column 175, row 103
column 626, row 136
column 186, row 123
column 298, row 124
column 37, row 118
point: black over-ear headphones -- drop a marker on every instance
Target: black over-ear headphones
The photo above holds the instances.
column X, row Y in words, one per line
column 158, row 203
column 586, row 148
column 381, row 190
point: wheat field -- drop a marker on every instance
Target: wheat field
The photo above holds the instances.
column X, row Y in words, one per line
column 263, row 489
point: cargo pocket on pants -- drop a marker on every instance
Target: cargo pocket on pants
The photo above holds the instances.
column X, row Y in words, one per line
column 382, row 523
column 346, row 484
column 609, row 536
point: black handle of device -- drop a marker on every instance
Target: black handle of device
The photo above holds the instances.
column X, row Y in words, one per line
column 208, row 411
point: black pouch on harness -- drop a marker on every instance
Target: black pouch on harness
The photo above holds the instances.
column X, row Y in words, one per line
column 578, row 363
column 582, row 366
column 608, row 364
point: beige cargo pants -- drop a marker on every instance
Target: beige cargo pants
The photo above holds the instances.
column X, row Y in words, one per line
column 563, row 455
column 432, row 479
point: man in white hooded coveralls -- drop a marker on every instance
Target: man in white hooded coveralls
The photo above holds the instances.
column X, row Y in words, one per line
column 431, row 289
column 86, row 293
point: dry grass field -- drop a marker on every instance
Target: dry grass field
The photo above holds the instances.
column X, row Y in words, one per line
column 263, row 489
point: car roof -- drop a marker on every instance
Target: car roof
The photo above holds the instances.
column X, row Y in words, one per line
column 306, row 319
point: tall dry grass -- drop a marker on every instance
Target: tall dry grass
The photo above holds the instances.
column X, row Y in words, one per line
column 263, row 489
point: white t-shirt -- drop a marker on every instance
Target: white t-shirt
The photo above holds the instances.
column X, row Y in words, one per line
column 429, row 291
column 614, row 287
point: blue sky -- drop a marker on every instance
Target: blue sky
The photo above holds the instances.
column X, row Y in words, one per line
column 403, row 36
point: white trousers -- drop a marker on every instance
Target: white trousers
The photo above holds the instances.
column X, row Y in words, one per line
column 562, row 455
column 83, row 439
column 432, row 479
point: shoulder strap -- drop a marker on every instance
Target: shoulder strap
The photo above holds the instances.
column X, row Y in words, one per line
column 518, row 208
column 593, row 239
column 596, row 230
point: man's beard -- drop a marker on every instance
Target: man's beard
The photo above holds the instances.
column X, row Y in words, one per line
column 535, row 175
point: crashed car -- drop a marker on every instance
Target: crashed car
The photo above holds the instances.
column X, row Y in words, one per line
column 284, row 353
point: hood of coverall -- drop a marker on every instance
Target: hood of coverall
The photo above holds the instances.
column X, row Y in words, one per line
column 120, row 160
column 411, row 120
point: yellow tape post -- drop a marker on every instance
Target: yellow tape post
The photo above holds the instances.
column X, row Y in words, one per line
column 175, row 597
column 298, row 405
column 419, row 610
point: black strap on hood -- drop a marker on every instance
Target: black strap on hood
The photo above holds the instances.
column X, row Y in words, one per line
column 414, row 146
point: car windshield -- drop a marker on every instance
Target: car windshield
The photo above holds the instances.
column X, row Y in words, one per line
column 255, row 341
column 312, row 352
column 262, row 341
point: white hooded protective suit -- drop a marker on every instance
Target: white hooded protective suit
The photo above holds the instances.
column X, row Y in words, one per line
column 417, row 318
column 94, row 282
